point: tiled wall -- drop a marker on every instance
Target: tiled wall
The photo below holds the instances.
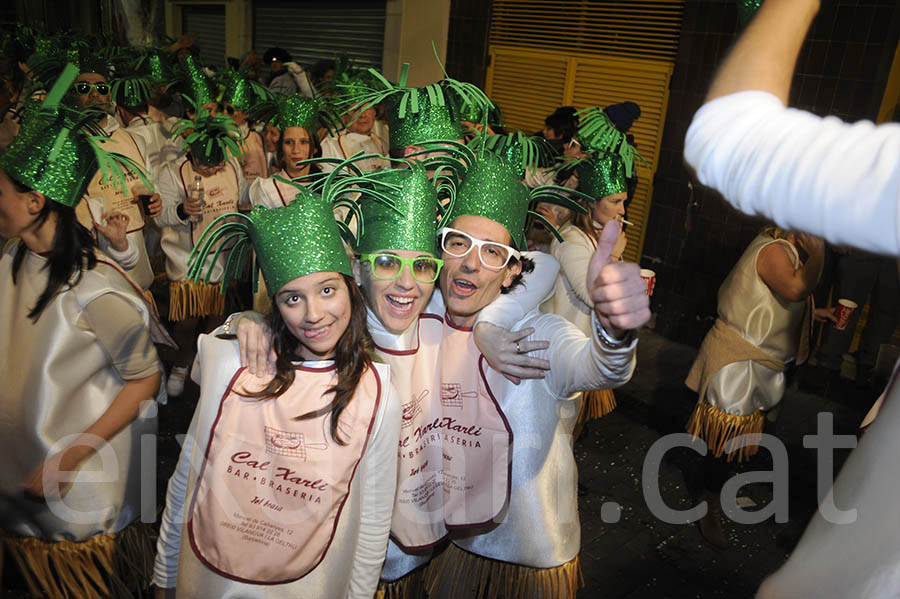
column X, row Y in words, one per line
column 467, row 40
column 692, row 246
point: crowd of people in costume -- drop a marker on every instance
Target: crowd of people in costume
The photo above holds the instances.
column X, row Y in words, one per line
column 398, row 314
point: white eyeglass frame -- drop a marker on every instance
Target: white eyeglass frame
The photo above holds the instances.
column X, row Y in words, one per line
column 477, row 243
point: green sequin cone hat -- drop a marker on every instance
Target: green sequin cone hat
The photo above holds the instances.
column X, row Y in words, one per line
column 241, row 92
column 409, row 221
column 601, row 175
column 490, row 186
column 418, row 114
column 598, row 135
column 290, row 241
column 297, row 111
column 747, row 9
column 523, row 152
column 59, row 149
column 210, row 139
column 198, row 87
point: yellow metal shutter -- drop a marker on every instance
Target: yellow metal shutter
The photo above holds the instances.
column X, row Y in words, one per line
column 546, row 54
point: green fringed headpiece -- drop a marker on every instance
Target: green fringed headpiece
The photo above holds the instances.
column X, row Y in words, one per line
column 418, row 114
column 491, row 187
column 408, row 220
column 601, row 175
column 298, row 239
column 157, row 64
column 523, row 152
column 59, row 149
column 196, row 84
column 210, row 139
column 297, row 111
column 598, row 134
column 241, row 92
column 289, row 242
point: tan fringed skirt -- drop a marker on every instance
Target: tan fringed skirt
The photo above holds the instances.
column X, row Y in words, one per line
column 596, row 404
column 188, row 299
column 411, row 586
column 718, row 429
column 459, row 573
column 117, row 565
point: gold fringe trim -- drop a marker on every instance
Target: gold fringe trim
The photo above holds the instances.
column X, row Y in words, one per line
column 117, row 565
column 459, row 573
column 596, row 404
column 188, row 299
column 148, row 295
column 411, row 586
column 718, row 429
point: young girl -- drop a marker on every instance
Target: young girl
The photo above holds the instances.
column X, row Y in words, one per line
column 77, row 362
column 285, row 484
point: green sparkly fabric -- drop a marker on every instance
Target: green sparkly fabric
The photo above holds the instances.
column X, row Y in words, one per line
column 211, row 139
column 746, row 10
column 598, row 135
column 601, row 175
column 296, row 240
column 298, row 111
column 433, row 119
column 59, row 149
column 417, row 115
column 289, row 242
column 158, row 66
column 521, row 151
column 197, row 85
column 131, row 90
column 239, row 91
column 492, row 188
column 410, row 222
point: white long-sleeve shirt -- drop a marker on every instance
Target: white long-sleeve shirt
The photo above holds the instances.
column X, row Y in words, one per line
column 351, row 566
column 833, row 179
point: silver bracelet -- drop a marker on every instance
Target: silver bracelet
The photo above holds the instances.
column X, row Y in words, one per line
column 607, row 341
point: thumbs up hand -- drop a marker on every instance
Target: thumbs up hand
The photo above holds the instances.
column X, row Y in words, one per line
column 616, row 288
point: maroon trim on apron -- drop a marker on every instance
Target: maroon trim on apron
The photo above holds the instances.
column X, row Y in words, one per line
column 409, row 352
column 450, row 324
column 337, row 516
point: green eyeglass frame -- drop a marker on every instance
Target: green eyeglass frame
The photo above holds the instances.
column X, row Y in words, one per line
column 404, row 263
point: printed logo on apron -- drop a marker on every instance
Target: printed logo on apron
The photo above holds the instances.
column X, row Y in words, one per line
column 221, row 195
column 272, row 488
column 455, row 443
column 114, row 200
column 255, row 164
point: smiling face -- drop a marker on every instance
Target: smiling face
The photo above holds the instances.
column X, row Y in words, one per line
column 296, row 145
column 465, row 282
column 607, row 208
column 396, row 303
column 316, row 309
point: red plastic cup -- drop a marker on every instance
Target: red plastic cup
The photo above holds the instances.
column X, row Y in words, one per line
column 843, row 312
column 649, row 277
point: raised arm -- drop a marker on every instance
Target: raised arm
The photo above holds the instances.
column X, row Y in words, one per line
column 765, row 55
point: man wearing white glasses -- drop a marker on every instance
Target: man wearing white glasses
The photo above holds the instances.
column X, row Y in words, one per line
column 534, row 547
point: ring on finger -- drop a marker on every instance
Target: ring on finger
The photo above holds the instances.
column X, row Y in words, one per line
column 518, row 348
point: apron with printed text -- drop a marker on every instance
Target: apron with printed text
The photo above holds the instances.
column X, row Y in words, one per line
column 272, row 488
column 221, row 194
column 255, row 163
column 114, row 199
column 455, row 444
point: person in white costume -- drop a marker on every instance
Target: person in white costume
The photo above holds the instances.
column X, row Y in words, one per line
column 318, row 436
column 850, row 546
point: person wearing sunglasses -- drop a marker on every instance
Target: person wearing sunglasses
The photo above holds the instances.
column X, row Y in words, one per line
column 111, row 212
column 535, row 546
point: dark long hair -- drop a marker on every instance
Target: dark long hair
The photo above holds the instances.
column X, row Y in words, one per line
column 352, row 356
column 72, row 252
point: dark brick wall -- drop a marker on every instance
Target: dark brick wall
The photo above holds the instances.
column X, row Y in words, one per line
column 467, row 40
column 692, row 245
